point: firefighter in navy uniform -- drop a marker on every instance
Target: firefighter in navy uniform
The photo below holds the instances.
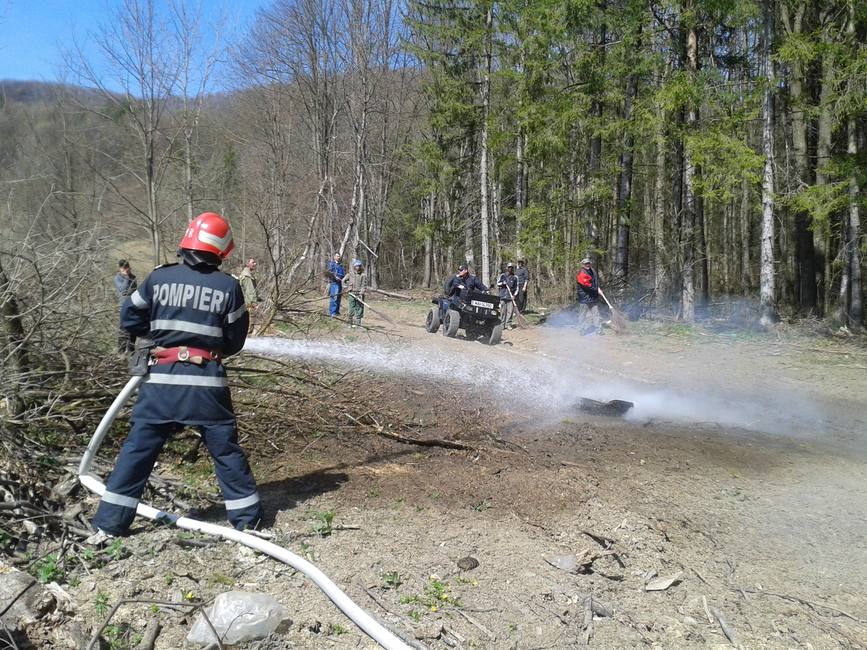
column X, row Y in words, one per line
column 195, row 315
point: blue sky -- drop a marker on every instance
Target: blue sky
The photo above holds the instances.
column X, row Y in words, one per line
column 34, row 33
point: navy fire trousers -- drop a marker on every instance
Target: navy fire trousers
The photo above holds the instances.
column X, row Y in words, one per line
column 136, row 461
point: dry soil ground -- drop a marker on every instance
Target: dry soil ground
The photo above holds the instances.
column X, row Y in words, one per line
column 741, row 471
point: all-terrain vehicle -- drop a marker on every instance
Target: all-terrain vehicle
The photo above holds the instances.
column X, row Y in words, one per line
column 477, row 313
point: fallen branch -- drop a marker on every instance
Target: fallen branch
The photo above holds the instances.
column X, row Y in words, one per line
column 424, row 442
column 588, row 619
column 391, row 294
column 149, row 637
column 473, row 621
column 406, row 639
column 727, row 629
column 809, row 603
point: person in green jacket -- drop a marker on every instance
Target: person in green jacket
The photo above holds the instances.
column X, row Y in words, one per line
column 248, row 287
column 355, row 284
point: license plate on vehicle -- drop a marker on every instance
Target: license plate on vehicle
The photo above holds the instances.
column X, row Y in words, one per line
column 479, row 303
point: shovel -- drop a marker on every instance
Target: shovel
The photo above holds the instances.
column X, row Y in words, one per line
column 616, row 317
column 522, row 322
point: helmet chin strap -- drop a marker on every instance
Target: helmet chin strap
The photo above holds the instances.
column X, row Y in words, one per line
column 196, row 258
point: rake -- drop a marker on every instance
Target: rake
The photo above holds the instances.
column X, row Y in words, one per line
column 616, row 317
column 522, row 322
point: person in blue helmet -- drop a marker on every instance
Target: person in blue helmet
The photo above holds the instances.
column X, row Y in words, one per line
column 335, row 274
column 195, row 316
column 355, row 284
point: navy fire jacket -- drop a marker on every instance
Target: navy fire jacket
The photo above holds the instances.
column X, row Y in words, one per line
column 198, row 307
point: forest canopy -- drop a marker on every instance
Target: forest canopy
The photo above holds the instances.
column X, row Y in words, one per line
column 696, row 150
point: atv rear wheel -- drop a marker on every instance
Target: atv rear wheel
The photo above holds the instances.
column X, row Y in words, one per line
column 496, row 335
column 433, row 320
column 451, row 323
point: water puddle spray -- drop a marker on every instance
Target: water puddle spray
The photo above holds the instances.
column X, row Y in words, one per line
column 545, row 387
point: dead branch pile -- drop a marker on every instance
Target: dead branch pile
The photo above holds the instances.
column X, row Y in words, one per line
column 280, row 403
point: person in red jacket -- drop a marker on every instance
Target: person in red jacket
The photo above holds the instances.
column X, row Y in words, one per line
column 589, row 320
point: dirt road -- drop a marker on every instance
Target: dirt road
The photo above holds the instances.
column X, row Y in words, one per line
column 740, row 473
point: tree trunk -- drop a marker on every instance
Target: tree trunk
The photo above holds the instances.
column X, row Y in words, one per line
column 483, row 158
column 767, row 280
column 821, row 236
column 856, row 301
column 624, row 188
column 428, row 208
column 595, row 158
column 687, row 302
column 659, row 256
column 520, row 189
column 747, row 280
column 703, row 251
column 805, row 262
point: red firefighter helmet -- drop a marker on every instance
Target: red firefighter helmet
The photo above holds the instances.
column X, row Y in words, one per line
column 209, row 233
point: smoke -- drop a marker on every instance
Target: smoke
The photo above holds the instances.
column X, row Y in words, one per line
column 546, row 385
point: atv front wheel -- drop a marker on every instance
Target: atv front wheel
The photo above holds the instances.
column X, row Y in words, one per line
column 496, row 335
column 433, row 320
column 451, row 323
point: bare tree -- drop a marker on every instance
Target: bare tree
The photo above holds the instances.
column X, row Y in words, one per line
column 195, row 68
column 138, row 86
column 485, row 89
column 293, row 44
column 767, row 277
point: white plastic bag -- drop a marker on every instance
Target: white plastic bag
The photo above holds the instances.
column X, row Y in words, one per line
column 238, row 616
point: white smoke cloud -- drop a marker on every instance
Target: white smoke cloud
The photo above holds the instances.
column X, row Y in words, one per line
column 548, row 384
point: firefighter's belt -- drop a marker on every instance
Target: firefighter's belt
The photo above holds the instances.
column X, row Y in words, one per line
column 182, row 353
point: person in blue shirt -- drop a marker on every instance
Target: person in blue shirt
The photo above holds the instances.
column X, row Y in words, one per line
column 335, row 275
column 195, row 315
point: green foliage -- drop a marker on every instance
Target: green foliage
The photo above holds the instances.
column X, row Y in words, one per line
column 481, row 506
column 48, row 570
column 821, row 202
column 322, row 522
column 116, row 550
column 307, row 551
column 101, row 604
column 725, row 161
column 801, row 49
column 436, row 594
column 391, row 580
column 415, row 615
column 221, row 580
column 336, row 629
column 121, row 637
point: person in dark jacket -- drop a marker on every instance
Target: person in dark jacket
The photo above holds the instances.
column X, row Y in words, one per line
column 124, row 283
column 589, row 320
column 523, row 276
column 508, row 284
column 335, row 274
column 463, row 279
column 195, row 315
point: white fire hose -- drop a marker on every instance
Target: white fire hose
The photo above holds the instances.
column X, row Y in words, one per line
column 365, row 621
